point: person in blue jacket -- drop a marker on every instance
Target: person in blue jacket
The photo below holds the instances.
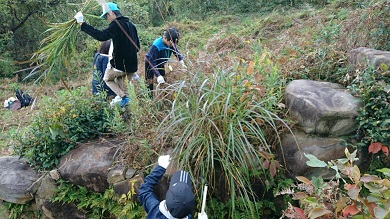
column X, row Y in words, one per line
column 179, row 201
column 99, row 65
column 159, row 54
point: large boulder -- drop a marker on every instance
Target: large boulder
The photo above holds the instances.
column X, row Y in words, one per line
column 360, row 57
column 322, row 108
column 89, row 165
column 18, row 181
column 325, row 149
column 56, row 210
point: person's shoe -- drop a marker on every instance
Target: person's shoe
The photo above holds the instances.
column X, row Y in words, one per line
column 125, row 101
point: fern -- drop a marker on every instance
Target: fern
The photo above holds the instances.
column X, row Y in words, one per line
column 99, row 205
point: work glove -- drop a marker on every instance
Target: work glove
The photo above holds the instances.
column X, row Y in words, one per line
column 79, row 17
column 183, row 64
column 164, row 161
column 136, row 77
column 202, row 216
column 160, row 79
column 170, row 67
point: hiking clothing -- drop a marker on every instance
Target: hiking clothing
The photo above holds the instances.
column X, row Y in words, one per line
column 148, row 199
column 119, row 87
column 158, row 55
column 125, row 52
column 99, row 66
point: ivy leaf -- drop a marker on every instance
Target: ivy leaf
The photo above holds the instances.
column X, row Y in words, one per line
column 350, row 210
column 353, row 193
column 380, row 213
column 385, row 171
column 341, row 203
column 300, row 213
column 318, row 212
column 304, row 180
column 385, row 150
column 314, row 161
column 375, row 147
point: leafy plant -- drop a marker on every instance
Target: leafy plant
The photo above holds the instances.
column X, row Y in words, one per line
column 223, row 128
column 60, row 125
column 360, row 196
column 17, row 211
column 99, row 205
column 373, row 88
column 217, row 209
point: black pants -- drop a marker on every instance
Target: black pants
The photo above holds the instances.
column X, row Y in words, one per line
column 149, row 75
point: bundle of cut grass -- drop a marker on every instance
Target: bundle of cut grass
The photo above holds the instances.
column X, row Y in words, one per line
column 56, row 49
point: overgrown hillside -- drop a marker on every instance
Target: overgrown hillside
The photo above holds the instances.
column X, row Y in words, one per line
column 250, row 51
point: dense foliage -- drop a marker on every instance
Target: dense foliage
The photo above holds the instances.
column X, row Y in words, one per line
column 61, row 124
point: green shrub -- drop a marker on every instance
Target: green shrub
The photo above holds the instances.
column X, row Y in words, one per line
column 60, row 125
column 372, row 87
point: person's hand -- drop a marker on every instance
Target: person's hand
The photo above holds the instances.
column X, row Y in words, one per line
column 160, row 79
column 136, row 77
column 183, row 64
column 79, row 17
column 202, row 215
column 164, row 161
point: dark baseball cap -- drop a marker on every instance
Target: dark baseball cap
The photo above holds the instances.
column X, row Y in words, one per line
column 180, row 199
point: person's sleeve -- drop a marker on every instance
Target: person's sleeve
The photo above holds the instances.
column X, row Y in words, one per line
column 153, row 56
column 137, row 40
column 177, row 53
column 146, row 195
column 101, row 35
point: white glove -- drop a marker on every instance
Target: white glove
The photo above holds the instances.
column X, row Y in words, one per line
column 160, row 79
column 79, row 17
column 183, row 64
column 164, row 161
column 136, row 77
column 170, row 67
column 202, row 216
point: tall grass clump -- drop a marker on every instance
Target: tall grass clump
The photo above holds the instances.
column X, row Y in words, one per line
column 222, row 126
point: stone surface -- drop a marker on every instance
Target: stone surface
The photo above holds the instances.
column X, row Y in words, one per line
column 63, row 211
column 128, row 185
column 359, row 58
column 324, row 148
column 88, row 165
column 322, row 108
column 116, row 174
column 18, row 181
column 45, row 191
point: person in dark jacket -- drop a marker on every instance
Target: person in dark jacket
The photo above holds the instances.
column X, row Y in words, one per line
column 159, row 54
column 99, row 65
column 125, row 42
column 179, row 201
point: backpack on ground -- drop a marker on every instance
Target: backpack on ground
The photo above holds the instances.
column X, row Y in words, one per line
column 24, row 98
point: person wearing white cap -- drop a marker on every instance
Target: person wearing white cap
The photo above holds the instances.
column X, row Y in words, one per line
column 125, row 43
column 179, row 201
